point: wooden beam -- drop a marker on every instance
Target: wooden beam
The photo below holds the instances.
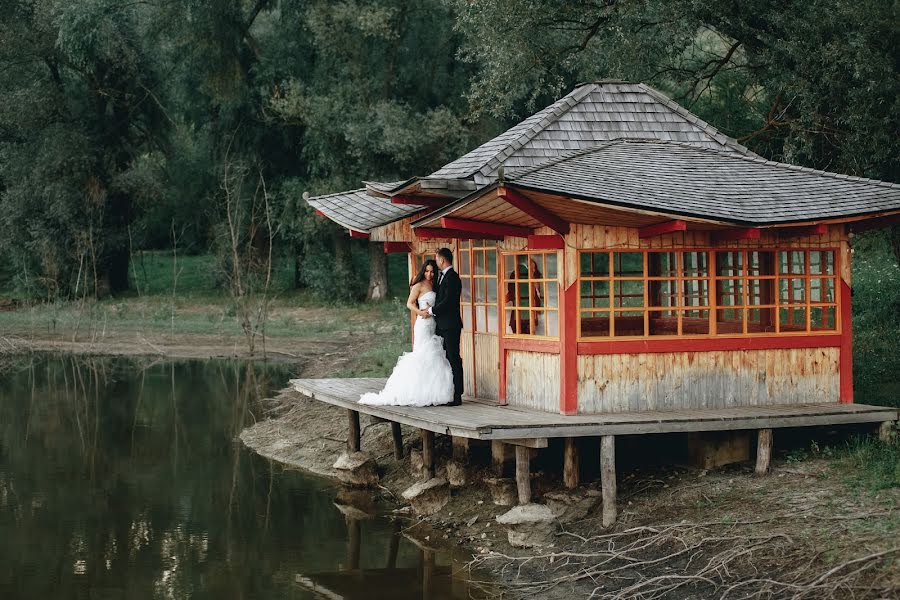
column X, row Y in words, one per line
column 427, row 454
column 794, row 232
column 436, row 232
column 485, row 227
column 608, row 478
column 570, row 464
column 730, row 235
column 353, row 437
column 546, row 242
column 358, row 234
column 878, row 223
column 420, row 201
column 523, row 474
column 661, row 229
column 397, row 434
column 763, row 451
column 401, row 247
column 534, row 210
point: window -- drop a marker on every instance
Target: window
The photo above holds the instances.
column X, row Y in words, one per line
column 531, row 294
column 478, row 270
column 665, row 293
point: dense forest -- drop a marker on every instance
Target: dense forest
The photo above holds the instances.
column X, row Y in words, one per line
column 197, row 126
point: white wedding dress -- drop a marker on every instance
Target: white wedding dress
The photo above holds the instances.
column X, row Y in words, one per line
column 422, row 377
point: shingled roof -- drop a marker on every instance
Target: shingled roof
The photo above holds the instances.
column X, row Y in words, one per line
column 592, row 113
column 359, row 211
column 683, row 179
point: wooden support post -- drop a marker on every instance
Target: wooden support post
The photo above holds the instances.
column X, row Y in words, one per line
column 354, row 434
column 498, row 457
column 523, row 474
column 394, row 548
column 354, row 542
column 427, row 454
column 886, row 432
column 570, row 464
column 461, row 449
column 398, row 440
column 608, row 478
column 763, row 451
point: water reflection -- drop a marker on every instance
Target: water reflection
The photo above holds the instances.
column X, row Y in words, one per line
column 125, row 479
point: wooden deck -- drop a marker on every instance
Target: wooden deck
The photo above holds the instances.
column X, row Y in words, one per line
column 478, row 419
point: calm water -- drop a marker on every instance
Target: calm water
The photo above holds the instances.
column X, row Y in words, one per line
column 122, row 479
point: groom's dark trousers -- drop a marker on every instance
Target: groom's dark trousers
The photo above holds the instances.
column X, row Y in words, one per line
column 448, row 325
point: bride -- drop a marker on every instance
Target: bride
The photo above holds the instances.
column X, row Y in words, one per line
column 422, row 377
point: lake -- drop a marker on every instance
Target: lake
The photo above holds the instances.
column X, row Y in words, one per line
column 123, row 478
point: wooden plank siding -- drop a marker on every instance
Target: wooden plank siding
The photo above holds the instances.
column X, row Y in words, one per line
column 698, row 380
column 487, row 365
column 532, row 380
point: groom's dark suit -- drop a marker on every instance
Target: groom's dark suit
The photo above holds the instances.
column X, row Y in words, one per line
column 448, row 325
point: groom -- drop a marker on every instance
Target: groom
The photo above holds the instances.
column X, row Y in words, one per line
column 448, row 323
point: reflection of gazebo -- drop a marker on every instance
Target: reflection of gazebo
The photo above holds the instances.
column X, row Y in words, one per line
column 620, row 257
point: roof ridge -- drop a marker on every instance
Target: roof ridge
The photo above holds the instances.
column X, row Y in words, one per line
column 694, row 119
column 572, row 154
column 356, row 191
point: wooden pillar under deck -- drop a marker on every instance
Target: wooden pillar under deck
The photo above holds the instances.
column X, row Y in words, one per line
column 461, row 449
column 763, row 451
column 498, row 457
column 397, row 434
column 886, row 432
column 570, row 464
column 354, row 433
column 608, row 478
column 523, row 474
column 427, row 454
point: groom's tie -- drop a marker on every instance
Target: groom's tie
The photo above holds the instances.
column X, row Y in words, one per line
column 440, row 278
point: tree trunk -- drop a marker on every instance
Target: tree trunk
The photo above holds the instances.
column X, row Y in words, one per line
column 299, row 284
column 377, row 272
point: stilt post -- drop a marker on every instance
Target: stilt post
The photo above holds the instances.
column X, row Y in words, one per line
column 354, row 434
column 397, row 434
column 886, row 432
column 763, row 451
column 498, row 457
column 570, row 464
column 523, row 474
column 608, row 478
column 461, row 449
column 427, row 454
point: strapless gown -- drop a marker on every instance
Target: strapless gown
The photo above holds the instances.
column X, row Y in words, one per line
column 421, row 377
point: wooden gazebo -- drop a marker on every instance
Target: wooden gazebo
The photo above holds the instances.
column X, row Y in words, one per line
column 621, row 257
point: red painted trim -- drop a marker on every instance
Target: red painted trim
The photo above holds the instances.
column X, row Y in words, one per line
column 790, row 232
column 868, row 224
column 402, row 247
column 319, row 213
column 485, row 227
column 527, row 345
column 846, row 345
column 534, row 210
column 439, row 233
column 546, row 242
column 568, row 357
column 358, row 234
column 710, row 344
column 661, row 229
column 420, row 201
column 731, row 235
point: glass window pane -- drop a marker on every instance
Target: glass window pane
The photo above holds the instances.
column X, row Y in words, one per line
column 695, row 322
column 696, row 292
column 729, row 264
column 791, row 262
column 629, row 293
column 464, row 262
column 821, row 290
column 478, row 261
column 760, row 263
column 664, row 322
column 696, row 264
column 628, row 323
column 730, row 320
column 552, row 323
column 491, row 290
column 466, row 289
column 553, row 294
column 491, row 262
column 823, row 318
column 480, row 294
column 793, row 291
column 761, row 320
column 595, row 324
column 480, row 318
column 663, row 293
column 628, row 264
column 467, row 317
column 662, row 264
column 492, row 326
column 730, row 292
column 464, row 243
column 523, row 294
column 509, row 266
column 761, row 291
column 539, row 322
column 536, row 266
column 595, row 264
column 792, row 318
column 551, row 270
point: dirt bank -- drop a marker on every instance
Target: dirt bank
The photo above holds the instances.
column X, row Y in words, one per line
column 805, row 531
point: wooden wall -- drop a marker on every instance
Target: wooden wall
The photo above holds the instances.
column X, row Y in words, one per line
column 487, row 361
column 674, row 381
column 533, row 380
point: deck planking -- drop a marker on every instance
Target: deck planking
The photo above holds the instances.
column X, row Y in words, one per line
column 485, row 420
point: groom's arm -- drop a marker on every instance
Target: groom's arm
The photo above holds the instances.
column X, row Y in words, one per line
column 450, row 299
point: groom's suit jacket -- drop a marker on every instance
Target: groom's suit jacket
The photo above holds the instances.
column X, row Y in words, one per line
column 446, row 304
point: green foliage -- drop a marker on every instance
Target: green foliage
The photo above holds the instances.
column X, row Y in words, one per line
column 873, row 464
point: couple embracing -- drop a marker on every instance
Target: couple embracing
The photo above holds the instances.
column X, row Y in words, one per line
column 432, row 373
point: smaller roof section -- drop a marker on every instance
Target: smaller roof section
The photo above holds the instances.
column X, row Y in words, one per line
column 590, row 114
column 359, row 211
column 682, row 179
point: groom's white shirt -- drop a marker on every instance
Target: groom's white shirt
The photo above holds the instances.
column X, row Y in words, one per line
column 443, row 274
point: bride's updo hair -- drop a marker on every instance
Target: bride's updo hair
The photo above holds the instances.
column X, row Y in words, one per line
column 420, row 276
